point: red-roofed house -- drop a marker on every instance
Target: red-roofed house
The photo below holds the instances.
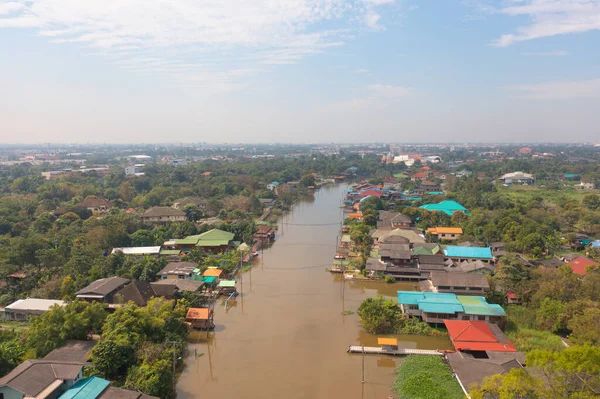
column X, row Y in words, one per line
column 471, row 336
column 580, row 265
column 419, row 176
column 372, row 193
column 513, row 298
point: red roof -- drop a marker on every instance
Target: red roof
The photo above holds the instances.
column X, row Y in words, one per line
column 476, row 336
column 579, row 265
column 420, row 175
column 510, row 294
column 373, row 193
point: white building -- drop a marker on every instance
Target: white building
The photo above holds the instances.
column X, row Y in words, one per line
column 23, row 308
column 518, row 178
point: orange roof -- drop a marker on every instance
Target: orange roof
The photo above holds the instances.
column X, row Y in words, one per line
column 198, row 314
column 475, row 336
column 206, row 173
column 445, row 230
column 212, row 272
column 580, row 265
column 355, row 216
column 387, row 341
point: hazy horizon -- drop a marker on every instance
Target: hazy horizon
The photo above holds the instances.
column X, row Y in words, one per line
column 299, row 71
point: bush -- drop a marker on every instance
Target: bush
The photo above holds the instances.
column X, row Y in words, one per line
column 426, row 377
column 389, row 279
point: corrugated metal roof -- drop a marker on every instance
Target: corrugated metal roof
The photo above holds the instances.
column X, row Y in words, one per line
column 477, row 305
column 455, row 251
column 87, row 388
column 448, row 207
column 34, row 304
column 226, row 283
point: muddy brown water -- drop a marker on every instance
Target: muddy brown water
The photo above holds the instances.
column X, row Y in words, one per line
column 285, row 336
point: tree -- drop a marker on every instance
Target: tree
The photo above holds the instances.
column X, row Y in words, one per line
column 192, row 212
column 591, row 201
column 379, row 315
column 549, row 315
column 586, row 327
column 510, row 272
column 142, row 238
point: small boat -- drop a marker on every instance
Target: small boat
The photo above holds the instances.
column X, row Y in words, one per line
column 255, row 253
column 348, row 276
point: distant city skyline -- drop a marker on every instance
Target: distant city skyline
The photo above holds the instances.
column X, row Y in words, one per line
column 299, row 71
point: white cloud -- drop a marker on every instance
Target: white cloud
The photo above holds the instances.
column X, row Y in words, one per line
column 362, row 70
column 550, row 18
column 553, row 53
column 9, row 7
column 389, row 91
column 234, row 34
column 565, row 90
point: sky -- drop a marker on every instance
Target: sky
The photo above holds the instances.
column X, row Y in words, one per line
column 300, row 71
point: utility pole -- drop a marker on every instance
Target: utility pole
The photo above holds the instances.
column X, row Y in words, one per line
column 174, row 343
column 363, row 364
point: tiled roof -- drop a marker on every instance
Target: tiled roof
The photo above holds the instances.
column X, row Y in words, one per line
column 448, row 207
column 158, row 211
column 103, row 286
column 459, row 280
column 580, row 264
column 198, row 314
column 477, row 336
column 72, row 351
column 34, row 375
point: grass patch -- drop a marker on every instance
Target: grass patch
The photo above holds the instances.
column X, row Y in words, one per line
column 426, row 377
column 525, row 193
column 347, row 312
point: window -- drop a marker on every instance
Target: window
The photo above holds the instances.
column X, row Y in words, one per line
column 481, row 318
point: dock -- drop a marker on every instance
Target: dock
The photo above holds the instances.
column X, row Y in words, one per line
column 371, row 350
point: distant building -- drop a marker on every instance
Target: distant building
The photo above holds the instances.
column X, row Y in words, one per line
column 518, row 178
column 586, row 184
column 138, row 251
column 448, row 207
column 581, row 265
column 22, row 309
column 96, row 204
column 446, row 233
column 456, row 283
column 163, row 215
column 460, row 253
column 102, row 290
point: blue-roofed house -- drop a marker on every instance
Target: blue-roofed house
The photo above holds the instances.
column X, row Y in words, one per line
column 460, row 253
column 99, row 388
column 273, row 185
column 447, row 206
column 434, row 307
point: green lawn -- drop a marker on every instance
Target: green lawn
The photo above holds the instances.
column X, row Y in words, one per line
column 426, row 377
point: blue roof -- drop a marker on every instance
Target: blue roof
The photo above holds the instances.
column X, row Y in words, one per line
column 447, row 206
column 431, row 302
column 87, row 388
column 571, row 175
column 275, row 183
column 435, row 302
column 455, row 251
column 595, row 244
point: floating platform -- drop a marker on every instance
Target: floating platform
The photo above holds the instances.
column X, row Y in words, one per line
column 371, row 350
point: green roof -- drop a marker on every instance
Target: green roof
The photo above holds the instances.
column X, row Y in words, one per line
column 339, row 262
column 420, row 250
column 478, row 305
column 87, row 388
column 346, row 238
column 170, row 252
column 448, row 207
column 189, row 240
column 214, row 238
column 226, row 283
column 209, row 279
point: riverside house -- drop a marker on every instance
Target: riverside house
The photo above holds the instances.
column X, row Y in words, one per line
column 446, row 233
column 456, row 283
column 163, row 215
column 435, row 307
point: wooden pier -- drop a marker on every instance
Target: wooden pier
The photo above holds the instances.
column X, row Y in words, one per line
column 371, row 350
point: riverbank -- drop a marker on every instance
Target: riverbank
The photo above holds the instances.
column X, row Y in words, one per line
column 287, row 333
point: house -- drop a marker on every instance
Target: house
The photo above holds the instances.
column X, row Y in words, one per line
column 102, row 290
column 200, row 318
column 178, row 270
column 172, row 285
column 419, row 176
column 214, row 240
column 163, row 215
column 456, row 283
column 272, row 186
column 264, row 233
column 393, row 220
column 435, row 307
column 396, row 254
column 473, row 267
column 460, row 253
column 464, row 173
column 226, row 287
column 22, row 309
column 212, row 275
column 99, row 388
column 517, row 178
column 40, row 378
column 498, row 248
column 375, row 267
column 429, row 186
column 447, row 206
column 201, row 203
column 96, row 204
column 446, row 233
column 581, row 265
column 586, row 184
column 138, row 292
column 426, row 248
column 430, row 263
column 512, row 298
column 72, row 351
column 268, row 202
column 387, row 236
column 139, row 251
column 482, row 350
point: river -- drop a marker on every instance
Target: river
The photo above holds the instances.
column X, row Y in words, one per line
column 286, row 336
